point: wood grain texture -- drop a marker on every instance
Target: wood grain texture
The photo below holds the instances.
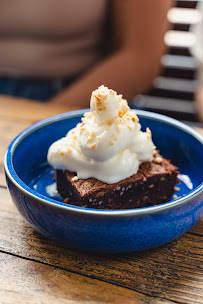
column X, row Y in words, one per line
column 34, row 282
column 22, row 108
column 173, row 272
column 9, row 129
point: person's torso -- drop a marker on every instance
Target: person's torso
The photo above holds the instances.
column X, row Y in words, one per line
column 50, row 38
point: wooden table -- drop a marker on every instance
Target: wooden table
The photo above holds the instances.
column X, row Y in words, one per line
column 34, row 269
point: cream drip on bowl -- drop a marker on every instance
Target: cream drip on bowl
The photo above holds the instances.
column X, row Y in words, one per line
column 107, row 145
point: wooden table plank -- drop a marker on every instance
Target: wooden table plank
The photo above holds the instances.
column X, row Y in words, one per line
column 173, row 272
column 22, row 108
column 46, row 284
column 11, row 127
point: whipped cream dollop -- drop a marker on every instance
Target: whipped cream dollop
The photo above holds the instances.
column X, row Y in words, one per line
column 107, row 145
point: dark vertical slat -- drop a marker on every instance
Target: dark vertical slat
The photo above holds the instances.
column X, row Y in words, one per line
column 186, row 3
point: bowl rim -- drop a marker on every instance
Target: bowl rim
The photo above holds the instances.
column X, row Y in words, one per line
column 12, row 175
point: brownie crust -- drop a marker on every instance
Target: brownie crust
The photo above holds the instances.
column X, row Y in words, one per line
column 152, row 185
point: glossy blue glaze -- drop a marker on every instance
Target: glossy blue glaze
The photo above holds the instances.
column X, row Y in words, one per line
column 116, row 231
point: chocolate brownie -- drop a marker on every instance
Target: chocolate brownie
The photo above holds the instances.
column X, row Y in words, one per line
column 152, row 185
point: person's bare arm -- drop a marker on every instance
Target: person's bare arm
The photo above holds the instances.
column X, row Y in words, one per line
column 139, row 28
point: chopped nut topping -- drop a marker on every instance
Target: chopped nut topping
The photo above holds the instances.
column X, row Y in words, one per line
column 74, row 179
column 149, row 133
column 88, row 115
column 92, row 147
column 91, row 136
column 154, row 152
column 175, row 196
column 101, row 109
column 100, row 194
column 99, row 101
column 89, row 140
column 128, row 116
column 176, row 189
column 126, row 108
column 69, row 150
column 120, row 114
column 109, row 122
column 158, row 160
column 66, row 200
column 74, row 139
column 82, row 129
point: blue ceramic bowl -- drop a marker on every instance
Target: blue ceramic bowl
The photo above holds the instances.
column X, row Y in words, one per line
column 28, row 175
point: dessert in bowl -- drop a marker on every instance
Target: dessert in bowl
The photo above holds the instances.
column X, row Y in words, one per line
column 29, row 178
column 107, row 162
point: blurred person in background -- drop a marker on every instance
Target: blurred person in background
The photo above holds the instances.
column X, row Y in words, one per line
column 60, row 51
column 197, row 52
